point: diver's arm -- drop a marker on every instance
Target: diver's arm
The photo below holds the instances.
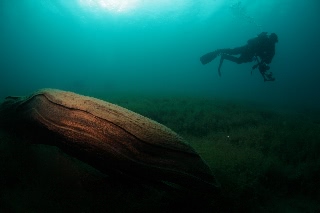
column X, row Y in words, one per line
column 268, row 55
column 267, row 58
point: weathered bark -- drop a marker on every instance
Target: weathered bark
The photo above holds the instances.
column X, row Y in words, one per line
column 106, row 136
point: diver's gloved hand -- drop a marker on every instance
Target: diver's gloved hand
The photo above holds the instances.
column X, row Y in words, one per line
column 263, row 67
column 255, row 66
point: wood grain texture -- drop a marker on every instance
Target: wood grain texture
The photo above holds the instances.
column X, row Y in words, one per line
column 106, row 136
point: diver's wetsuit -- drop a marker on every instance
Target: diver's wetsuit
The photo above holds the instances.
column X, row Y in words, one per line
column 262, row 46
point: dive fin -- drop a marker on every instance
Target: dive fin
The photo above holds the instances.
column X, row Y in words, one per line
column 208, row 57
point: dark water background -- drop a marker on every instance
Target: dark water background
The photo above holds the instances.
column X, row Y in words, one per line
column 267, row 159
column 141, row 47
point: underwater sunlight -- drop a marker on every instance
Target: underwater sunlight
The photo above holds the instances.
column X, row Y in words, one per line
column 145, row 8
column 115, row 6
column 125, row 106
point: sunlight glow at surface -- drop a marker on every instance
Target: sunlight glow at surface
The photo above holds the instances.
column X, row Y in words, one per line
column 118, row 6
column 156, row 11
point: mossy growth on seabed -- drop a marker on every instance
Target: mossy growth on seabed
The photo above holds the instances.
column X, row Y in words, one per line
column 265, row 161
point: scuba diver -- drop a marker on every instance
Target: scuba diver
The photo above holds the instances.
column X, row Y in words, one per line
column 260, row 49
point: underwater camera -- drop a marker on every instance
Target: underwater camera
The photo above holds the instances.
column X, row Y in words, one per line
column 263, row 68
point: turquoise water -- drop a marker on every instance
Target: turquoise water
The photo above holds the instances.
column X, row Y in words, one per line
column 153, row 47
column 124, row 51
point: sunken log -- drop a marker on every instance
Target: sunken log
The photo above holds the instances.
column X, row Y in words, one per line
column 108, row 137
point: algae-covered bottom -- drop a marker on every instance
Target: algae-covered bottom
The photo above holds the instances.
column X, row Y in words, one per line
column 265, row 160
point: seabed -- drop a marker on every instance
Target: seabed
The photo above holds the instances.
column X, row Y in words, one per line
column 266, row 160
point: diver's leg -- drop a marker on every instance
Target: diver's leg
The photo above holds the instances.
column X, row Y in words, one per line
column 233, row 51
column 228, row 57
column 206, row 58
